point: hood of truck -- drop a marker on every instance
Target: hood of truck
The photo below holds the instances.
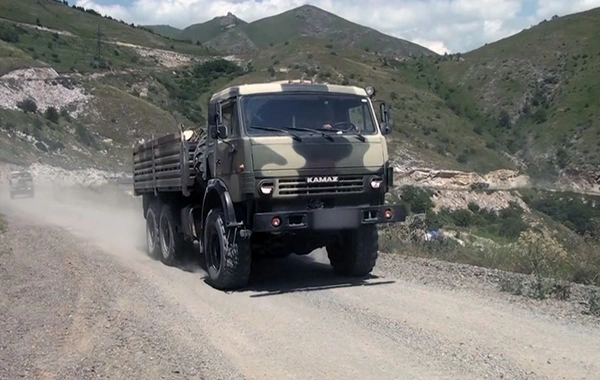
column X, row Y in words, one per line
column 282, row 153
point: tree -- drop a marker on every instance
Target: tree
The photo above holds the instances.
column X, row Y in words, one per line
column 52, row 115
column 28, row 105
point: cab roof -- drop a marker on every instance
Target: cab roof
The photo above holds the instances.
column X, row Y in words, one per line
column 286, row 86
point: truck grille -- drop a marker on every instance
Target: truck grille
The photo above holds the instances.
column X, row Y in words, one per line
column 300, row 186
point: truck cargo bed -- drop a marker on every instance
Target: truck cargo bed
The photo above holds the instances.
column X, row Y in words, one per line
column 164, row 164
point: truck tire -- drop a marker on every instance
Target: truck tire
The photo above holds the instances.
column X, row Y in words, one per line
column 152, row 234
column 171, row 241
column 228, row 256
column 355, row 253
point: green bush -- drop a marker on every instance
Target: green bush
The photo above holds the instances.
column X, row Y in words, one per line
column 416, row 199
column 52, row 115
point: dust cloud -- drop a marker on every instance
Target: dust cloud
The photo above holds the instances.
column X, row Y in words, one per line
column 106, row 215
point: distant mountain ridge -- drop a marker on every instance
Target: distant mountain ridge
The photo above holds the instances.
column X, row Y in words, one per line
column 230, row 34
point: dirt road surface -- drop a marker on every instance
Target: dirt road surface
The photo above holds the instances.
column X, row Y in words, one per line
column 79, row 299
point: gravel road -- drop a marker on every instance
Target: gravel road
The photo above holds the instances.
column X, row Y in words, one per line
column 79, row 299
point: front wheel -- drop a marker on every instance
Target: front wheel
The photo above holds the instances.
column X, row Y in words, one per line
column 228, row 256
column 355, row 253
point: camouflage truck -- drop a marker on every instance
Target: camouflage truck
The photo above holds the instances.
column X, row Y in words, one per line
column 21, row 183
column 282, row 167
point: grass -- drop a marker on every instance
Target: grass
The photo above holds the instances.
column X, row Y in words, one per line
column 164, row 30
column 85, row 24
column 546, row 78
column 555, row 244
column 64, row 53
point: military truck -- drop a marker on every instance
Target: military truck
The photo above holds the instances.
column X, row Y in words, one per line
column 281, row 167
column 21, row 183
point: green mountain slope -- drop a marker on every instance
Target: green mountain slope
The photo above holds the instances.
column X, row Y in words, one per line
column 306, row 20
column 85, row 24
column 540, row 91
column 206, row 31
column 164, row 30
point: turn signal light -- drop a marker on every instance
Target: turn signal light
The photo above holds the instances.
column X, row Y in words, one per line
column 276, row 222
column 388, row 214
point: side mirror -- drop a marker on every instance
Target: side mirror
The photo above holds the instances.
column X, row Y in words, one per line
column 384, row 117
column 221, row 131
column 218, row 132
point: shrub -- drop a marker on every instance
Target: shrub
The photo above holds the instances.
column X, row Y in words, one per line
column 52, row 115
column 28, row 105
column 417, row 200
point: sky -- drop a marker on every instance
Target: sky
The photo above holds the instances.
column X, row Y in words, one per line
column 444, row 26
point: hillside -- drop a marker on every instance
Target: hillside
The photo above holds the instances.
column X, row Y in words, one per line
column 540, row 92
column 234, row 36
column 105, row 103
column 85, row 24
column 164, row 30
column 206, row 31
column 445, row 110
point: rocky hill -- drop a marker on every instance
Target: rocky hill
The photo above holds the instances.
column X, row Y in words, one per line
column 231, row 35
column 210, row 30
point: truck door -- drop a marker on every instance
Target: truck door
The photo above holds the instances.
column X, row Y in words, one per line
column 225, row 158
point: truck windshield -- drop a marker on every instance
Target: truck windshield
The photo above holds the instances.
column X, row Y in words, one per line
column 347, row 113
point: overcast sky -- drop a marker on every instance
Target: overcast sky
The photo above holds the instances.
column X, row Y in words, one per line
column 441, row 25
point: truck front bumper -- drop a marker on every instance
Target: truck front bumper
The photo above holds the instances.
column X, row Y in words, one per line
column 21, row 190
column 328, row 219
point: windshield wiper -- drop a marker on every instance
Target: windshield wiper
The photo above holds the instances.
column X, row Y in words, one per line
column 294, row 136
column 358, row 135
column 311, row 131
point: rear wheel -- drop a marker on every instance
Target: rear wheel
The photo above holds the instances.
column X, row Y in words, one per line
column 152, row 244
column 355, row 253
column 171, row 241
column 228, row 256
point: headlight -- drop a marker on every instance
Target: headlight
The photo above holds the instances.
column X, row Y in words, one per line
column 376, row 183
column 266, row 188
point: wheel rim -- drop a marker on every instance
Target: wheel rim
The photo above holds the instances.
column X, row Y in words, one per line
column 165, row 237
column 151, row 231
column 214, row 251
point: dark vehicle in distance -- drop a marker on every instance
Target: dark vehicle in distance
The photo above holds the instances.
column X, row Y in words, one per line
column 21, row 183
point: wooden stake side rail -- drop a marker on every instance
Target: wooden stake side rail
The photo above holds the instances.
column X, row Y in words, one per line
column 157, row 165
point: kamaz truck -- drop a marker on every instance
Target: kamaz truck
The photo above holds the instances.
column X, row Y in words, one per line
column 281, row 167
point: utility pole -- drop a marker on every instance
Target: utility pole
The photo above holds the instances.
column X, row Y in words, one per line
column 99, row 45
